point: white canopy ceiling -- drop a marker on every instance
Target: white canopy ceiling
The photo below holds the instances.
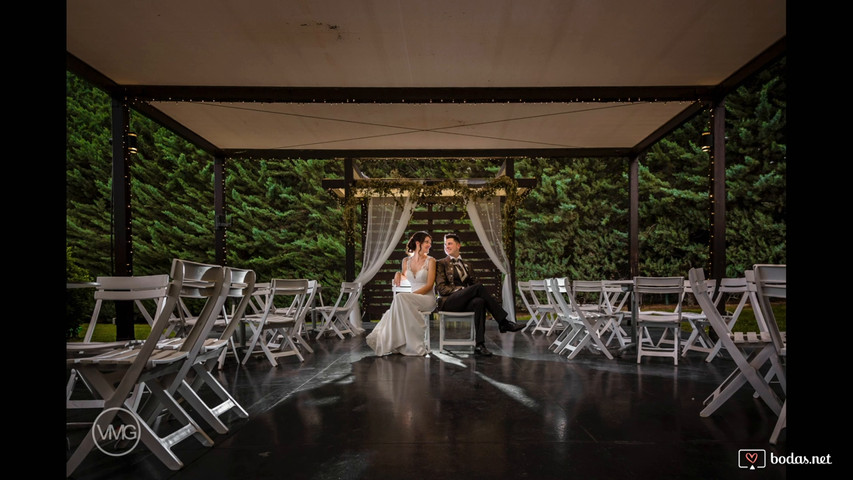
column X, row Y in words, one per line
column 344, row 78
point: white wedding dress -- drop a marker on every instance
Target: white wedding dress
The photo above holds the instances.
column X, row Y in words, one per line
column 402, row 327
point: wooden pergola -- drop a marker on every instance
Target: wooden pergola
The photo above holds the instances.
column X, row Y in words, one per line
column 357, row 79
column 359, row 188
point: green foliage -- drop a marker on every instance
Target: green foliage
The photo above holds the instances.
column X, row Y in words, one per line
column 573, row 224
column 78, row 302
column 283, row 224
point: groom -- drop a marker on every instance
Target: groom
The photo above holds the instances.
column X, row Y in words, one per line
column 459, row 291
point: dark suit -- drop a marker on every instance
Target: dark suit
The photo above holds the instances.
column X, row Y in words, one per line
column 473, row 297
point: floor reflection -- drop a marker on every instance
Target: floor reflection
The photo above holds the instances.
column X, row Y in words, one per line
column 524, row 413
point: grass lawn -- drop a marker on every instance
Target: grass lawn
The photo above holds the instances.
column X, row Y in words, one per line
column 746, row 323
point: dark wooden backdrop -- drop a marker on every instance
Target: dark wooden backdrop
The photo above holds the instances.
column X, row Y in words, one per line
column 437, row 219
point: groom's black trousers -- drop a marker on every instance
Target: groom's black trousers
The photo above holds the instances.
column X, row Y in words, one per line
column 475, row 298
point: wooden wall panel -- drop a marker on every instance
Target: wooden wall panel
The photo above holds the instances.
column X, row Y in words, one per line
column 437, row 220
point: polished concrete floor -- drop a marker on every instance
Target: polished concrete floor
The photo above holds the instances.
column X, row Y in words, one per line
column 524, row 413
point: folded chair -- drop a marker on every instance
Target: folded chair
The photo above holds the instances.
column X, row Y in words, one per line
column 698, row 340
column 749, row 351
column 771, row 283
column 336, row 317
column 733, row 288
column 549, row 320
column 300, row 332
column 667, row 320
column 616, row 295
column 115, row 374
column 200, row 340
column 212, row 354
column 524, row 293
column 592, row 297
column 584, row 327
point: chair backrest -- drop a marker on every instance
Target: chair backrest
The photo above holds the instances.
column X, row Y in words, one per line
column 296, row 293
column 524, row 292
column 581, row 290
column 616, row 294
column 313, row 288
column 771, row 282
column 731, row 287
column 242, row 286
column 539, row 293
column 350, row 291
column 556, row 295
column 202, row 281
column 696, row 278
column 593, row 286
column 710, row 286
column 404, row 287
column 135, row 288
column 659, row 286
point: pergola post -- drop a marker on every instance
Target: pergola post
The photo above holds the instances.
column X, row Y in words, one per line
column 220, row 219
column 509, row 171
column 350, row 244
column 634, row 215
column 122, row 231
column 718, row 191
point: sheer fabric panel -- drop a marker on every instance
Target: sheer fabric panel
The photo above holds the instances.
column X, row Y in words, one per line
column 387, row 219
column 485, row 215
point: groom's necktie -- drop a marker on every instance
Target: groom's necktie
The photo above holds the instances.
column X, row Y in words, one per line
column 460, row 269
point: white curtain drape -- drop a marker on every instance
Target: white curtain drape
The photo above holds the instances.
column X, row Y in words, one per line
column 485, row 215
column 387, row 219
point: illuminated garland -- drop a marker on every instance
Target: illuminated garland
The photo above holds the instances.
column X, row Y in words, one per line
column 421, row 193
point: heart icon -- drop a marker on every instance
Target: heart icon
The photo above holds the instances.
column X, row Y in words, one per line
column 752, row 457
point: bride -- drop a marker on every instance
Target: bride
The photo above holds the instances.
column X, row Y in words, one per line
column 402, row 327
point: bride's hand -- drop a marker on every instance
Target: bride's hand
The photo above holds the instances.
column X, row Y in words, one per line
column 397, row 279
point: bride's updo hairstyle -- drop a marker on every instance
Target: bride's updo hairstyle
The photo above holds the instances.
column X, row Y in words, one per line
column 418, row 237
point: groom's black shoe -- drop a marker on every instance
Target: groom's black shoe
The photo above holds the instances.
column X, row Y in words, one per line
column 481, row 351
column 508, row 326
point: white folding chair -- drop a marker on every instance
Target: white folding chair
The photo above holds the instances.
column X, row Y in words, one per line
column 200, row 343
column 592, row 297
column 771, row 283
column 213, row 352
column 698, row 340
column 615, row 297
column 548, row 319
column 749, row 351
column 115, row 374
column 589, row 295
column 336, row 317
column 136, row 289
column 274, row 332
column 667, row 320
column 299, row 330
column 732, row 288
column 584, row 327
column 524, row 293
